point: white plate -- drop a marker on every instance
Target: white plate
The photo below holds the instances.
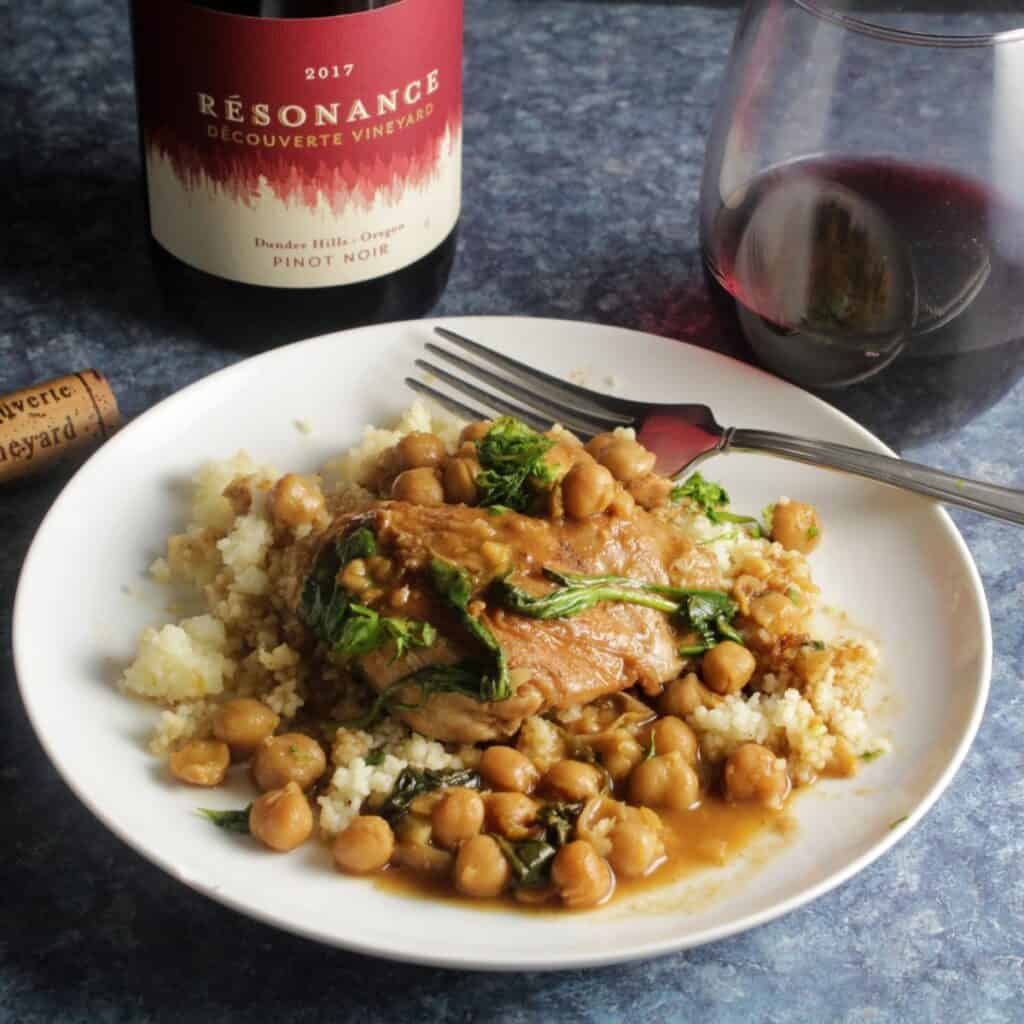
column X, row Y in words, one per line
column 895, row 562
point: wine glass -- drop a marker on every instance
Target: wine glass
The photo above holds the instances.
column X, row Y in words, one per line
column 862, row 207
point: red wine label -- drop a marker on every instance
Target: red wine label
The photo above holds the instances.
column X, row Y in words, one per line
column 305, row 152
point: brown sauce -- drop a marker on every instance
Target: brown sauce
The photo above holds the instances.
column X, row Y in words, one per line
column 711, row 835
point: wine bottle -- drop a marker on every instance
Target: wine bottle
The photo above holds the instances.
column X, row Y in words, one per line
column 302, row 159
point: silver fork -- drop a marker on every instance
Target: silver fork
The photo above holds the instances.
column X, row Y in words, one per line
column 681, row 436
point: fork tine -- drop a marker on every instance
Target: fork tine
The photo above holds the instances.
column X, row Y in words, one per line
column 561, row 413
column 494, row 401
column 453, row 405
column 592, row 403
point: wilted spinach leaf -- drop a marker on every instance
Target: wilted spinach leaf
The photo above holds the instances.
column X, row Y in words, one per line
column 558, row 820
column 454, row 586
column 413, row 782
column 230, row 821
column 529, row 859
column 349, row 628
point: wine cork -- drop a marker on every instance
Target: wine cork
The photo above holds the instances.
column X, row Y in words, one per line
column 61, row 417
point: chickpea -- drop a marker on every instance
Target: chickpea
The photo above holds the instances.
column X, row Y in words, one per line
column 457, row 816
column 243, row 724
column 671, row 734
column 385, row 469
column 620, row 753
column 683, row 696
column 481, row 870
column 622, row 505
column 415, row 828
column 290, row 757
column 425, row 859
column 460, row 481
column 573, row 780
column 844, row 761
column 627, row 460
column 380, row 569
column 582, row 877
column 296, row 501
column 238, row 495
column 636, row 849
column 419, row 449
column 355, row 577
column 201, row 762
column 775, row 612
column 753, row 774
column 811, row 663
column 420, row 486
column 474, row 432
column 561, row 458
column 281, row 819
column 598, row 444
column 505, row 768
column 511, row 814
column 366, row 845
column 587, row 490
column 796, row 526
column 665, row 780
column 651, row 490
column 497, row 557
column 564, row 436
column 727, row 667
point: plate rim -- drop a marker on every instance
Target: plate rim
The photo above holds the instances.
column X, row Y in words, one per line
column 565, row 961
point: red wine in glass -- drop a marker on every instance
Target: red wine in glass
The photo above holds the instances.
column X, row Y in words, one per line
column 895, row 282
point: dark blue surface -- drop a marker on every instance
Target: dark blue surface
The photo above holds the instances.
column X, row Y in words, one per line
column 584, row 134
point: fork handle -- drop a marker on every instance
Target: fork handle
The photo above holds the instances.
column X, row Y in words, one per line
column 989, row 499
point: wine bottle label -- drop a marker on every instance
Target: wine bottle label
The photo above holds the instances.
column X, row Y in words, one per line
column 301, row 152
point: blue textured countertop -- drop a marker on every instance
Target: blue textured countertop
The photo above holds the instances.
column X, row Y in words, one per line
column 585, row 125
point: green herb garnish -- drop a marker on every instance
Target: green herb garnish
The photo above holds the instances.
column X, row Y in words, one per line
column 711, row 499
column 816, row 645
column 374, row 758
column 511, row 458
column 414, row 782
column 230, row 821
column 795, row 595
column 348, row 628
column 710, row 613
column 812, row 532
column 871, row 755
column 898, row 822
